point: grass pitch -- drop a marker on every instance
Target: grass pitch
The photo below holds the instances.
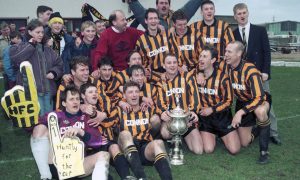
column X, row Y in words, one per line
column 16, row 161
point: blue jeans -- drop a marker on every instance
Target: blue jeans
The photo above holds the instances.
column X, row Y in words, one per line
column 46, row 103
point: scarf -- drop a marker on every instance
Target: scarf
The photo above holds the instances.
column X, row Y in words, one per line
column 56, row 41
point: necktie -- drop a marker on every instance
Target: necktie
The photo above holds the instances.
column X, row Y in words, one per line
column 244, row 36
column 244, row 42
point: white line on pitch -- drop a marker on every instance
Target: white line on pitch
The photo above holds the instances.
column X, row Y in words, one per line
column 288, row 117
column 16, row 160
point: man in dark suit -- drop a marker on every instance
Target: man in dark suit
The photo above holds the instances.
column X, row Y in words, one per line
column 257, row 51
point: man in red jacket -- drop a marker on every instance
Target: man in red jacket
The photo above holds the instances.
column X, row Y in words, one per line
column 116, row 41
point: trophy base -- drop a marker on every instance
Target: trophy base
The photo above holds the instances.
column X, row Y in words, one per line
column 177, row 162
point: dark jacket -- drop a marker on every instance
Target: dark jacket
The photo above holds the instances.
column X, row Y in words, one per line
column 43, row 60
column 258, row 51
column 66, row 53
column 83, row 50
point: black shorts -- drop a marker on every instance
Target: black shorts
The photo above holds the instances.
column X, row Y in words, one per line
column 141, row 147
column 190, row 129
column 217, row 123
column 249, row 119
column 105, row 147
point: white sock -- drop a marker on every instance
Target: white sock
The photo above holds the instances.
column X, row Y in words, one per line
column 101, row 170
column 40, row 150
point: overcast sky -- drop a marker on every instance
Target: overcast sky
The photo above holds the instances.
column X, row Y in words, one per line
column 262, row 11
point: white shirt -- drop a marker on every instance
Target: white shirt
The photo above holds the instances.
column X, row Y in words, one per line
column 247, row 31
column 62, row 45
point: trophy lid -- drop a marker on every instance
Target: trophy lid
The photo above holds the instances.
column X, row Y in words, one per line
column 178, row 111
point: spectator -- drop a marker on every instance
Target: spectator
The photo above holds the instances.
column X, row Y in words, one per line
column 43, row 14
column 116, row 41
column 257, row 52
column 59, row 39
column 12, row 27
column 4, row 41
column 47, row 67
column 9, row 70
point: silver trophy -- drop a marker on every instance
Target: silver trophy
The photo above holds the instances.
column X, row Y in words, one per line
column 177, row 127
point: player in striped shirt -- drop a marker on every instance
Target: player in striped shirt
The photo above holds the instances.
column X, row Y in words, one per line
column 135, row 139
column 90, row 97
column 216, row 98
column 215, row 32
column 253, row 104
column 79, row 76
column 153, row 44
column 187, row 42
column 134, row 57
column 182, row 84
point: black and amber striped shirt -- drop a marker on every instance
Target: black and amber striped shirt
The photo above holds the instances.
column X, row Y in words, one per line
column 219, row 34
column 137, row 123
column 184, row 84
column 153, row 49
column 119, row 80
column 106, row 84
column 247, row 85
column 147, row 90
column 104, row 100
column 188, row 47
column 217, row 92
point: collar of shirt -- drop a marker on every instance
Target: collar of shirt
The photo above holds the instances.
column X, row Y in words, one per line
column 213, row 24
column 247, row 31
column 240, row 66
column 115, row 30
column 158, row 32
column 69, row 115
column 188, row 32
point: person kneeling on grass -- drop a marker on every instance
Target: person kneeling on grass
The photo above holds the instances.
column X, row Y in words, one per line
column 216, row 98
column 135, row 138
column 252, row 102
column 89, row 95
column 69, row 119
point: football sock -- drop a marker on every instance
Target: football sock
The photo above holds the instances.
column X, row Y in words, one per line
column 162, row 166
column 132, row 156
column 40, row 150
column 264, row 134
column 121, row 165
column 100, row 170
column 53, row 171
column 254, row 133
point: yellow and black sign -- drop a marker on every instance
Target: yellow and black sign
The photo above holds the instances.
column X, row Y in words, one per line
column 21, row 102
column 68, row 152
